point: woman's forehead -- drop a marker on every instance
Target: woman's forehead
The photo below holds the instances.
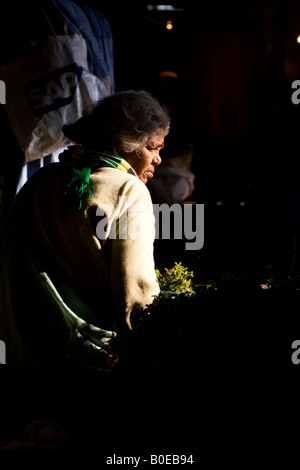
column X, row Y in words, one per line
column 156, row 138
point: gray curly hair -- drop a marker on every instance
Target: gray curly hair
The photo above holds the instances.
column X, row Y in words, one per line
column 121, row 122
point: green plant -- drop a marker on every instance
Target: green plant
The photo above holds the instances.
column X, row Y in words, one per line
column 176, row 279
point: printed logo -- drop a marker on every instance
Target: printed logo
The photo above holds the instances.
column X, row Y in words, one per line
column 54, row 90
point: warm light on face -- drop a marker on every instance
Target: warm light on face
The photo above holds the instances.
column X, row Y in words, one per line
column 169, row 25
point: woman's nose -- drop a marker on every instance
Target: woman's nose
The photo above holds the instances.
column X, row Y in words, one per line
column 157, row 159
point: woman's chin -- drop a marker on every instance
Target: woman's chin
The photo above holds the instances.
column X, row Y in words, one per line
column 144, row 179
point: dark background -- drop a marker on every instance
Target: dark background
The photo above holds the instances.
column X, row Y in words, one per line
column 229, row 68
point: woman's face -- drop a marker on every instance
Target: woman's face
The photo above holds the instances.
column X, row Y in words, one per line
column 144, row 160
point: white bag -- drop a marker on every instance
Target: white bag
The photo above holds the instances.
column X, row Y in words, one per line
column 47, row 89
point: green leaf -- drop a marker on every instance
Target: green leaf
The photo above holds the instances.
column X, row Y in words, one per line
column 176, row 279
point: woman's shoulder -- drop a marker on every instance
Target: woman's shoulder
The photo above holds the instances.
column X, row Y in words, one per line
column 115, row 181
column 43, row 173
column 112, row 175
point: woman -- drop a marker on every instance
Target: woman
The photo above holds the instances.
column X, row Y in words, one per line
column 77, row 245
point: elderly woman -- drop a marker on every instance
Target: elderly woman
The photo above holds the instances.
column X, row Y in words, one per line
column 77, row 245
